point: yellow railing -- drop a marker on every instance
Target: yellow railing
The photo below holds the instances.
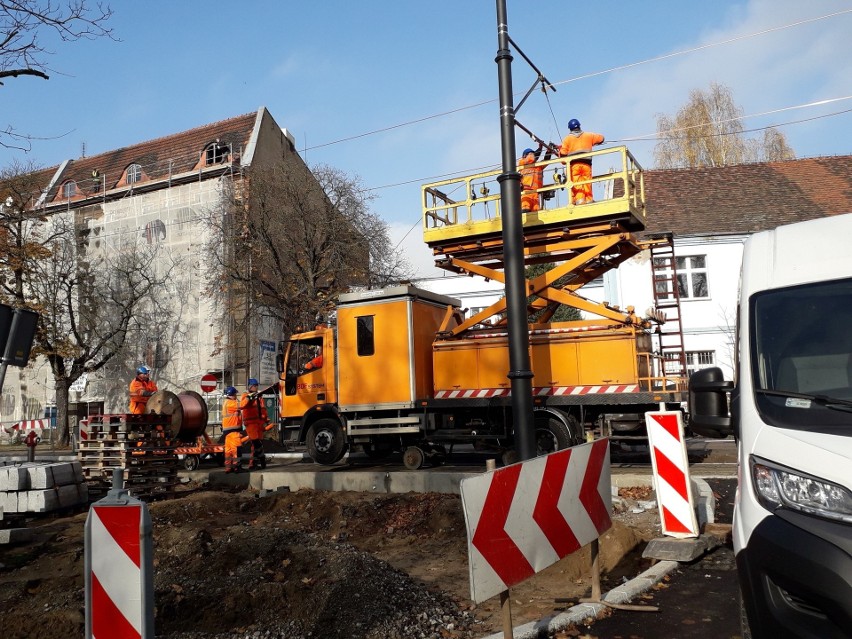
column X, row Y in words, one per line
column 470, row 205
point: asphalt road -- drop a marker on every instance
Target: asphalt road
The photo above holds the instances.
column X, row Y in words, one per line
column 699, row 601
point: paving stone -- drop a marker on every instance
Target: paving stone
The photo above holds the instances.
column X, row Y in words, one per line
column 671, row 549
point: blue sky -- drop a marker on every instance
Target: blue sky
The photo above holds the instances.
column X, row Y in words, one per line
column 340, row 69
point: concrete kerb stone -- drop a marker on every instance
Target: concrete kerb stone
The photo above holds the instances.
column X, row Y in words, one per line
column 585, row 611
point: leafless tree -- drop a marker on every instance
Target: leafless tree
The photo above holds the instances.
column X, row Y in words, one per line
column 27, row 28
column 290, row 249
column 707, row 131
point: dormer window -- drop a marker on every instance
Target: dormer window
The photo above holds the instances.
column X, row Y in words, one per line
column 133, row 174
column 69, row 189
column 216, row 153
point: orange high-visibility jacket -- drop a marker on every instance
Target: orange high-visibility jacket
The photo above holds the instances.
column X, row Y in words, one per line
column 231, row 416
column 532, row 177
column 138, row 398
column 574, row 143
column 254, row 415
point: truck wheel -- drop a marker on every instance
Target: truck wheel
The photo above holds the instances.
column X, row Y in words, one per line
column 326, row 442
column 413, row 458
column 552, row 435
column 190, row 462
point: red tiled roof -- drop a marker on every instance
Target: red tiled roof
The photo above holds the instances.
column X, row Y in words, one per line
column 159, row 158
column 747, row 197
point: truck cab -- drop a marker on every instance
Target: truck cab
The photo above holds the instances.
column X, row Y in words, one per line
column 790, row 411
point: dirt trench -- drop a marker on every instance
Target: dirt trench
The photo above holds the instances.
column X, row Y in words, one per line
column 303, row 564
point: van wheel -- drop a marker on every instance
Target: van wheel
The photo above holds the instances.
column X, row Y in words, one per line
column 552, row 435
column 326, row 442
column 413, row 458
column 190, row 462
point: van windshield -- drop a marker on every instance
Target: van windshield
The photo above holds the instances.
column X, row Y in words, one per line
column 802, row 356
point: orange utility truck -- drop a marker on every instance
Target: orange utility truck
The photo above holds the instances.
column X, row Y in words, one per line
column 403, row 369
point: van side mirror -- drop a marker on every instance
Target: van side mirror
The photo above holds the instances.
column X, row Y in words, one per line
column 279, row 362
column 708, row 403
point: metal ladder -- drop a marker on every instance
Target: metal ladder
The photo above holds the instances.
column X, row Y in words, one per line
column 667, row 299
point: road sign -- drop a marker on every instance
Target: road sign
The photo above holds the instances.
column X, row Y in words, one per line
column 525, row 517
column 671, row 473
column 208, row 383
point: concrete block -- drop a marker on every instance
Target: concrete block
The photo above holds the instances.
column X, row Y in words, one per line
column 63, row 474
column 9, row 502
column 68, row 495
column 41, row 476
column 78, row 472
column 13, row 478
column 42, row 501
column 15, row 536
column 671, row 549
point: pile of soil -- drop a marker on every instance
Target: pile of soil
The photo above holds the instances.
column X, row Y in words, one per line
column 304, row 564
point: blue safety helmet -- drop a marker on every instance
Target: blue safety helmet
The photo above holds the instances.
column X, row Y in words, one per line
column 143, row 370
column 251, row 382
column 573, row 124
column 527, row 151
column 230, row 391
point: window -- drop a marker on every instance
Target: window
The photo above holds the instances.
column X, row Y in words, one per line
column 696, row 360
column 216, row 153
column 692, row 276
column 69, row 189
column 134, row 173
column 366, row 340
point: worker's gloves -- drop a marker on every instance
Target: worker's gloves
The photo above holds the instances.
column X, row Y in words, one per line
column 147, row 393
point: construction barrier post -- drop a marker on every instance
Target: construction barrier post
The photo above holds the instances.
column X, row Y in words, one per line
column 119, row 567
column 671, row 473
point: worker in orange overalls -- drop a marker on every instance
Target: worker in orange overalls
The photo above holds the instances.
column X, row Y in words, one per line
column 531, row 180
column 141, row 388
column 232, row 429
column 578, row 141
column 255, row 420
column 315, row 363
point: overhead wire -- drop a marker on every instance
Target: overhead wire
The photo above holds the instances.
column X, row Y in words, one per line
column 583, row 77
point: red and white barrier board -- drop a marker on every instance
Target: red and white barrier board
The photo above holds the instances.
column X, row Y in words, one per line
column 671, row 473
column 119, row 564
column 527, row 516
column 29, row 424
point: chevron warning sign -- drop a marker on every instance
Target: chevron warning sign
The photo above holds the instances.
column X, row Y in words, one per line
column 527, row 516
column 671, row 473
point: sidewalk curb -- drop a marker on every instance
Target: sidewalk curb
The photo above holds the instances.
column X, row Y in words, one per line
column 582, row 612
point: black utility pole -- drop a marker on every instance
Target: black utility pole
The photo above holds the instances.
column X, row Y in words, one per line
column 520, row 374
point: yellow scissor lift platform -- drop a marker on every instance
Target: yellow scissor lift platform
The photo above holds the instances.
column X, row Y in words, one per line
column 463, row 227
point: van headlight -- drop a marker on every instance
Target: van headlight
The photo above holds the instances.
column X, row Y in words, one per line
column 777, row 486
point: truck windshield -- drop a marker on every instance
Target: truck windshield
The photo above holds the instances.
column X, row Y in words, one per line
column 802, row 356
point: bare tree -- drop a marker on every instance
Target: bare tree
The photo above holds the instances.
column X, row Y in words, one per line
column 707, row 131
column 24, row 27
column 289, row 249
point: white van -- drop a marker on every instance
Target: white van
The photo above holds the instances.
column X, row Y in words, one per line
column 791, row 413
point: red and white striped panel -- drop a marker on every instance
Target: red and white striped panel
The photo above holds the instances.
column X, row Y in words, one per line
column 116, row 572
column 553, row 391
column 671, row 473
column 30, row 424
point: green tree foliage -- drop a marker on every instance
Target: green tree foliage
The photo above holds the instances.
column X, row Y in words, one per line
column 707, row 131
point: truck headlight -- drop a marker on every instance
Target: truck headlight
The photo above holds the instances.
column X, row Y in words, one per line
column 778, row 486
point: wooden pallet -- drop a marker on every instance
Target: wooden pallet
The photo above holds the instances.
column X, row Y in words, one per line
column 138, row 445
